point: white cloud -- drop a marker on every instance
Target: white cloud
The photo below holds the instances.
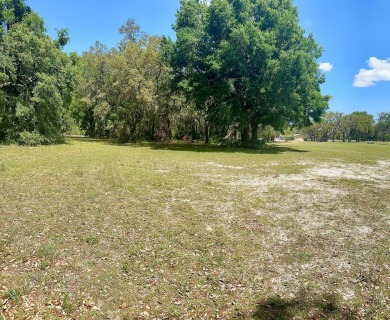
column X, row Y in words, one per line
column 325, row 66
column 379, row 71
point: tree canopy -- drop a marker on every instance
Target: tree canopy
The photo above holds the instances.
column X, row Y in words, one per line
column 248, row 60
column 123, row 92
column 36, row 78
column 382, row 127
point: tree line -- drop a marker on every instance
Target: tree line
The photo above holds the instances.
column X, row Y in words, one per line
column 357, row 126
column 238, row 69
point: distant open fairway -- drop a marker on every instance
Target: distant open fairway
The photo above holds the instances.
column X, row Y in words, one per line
column 92, row 230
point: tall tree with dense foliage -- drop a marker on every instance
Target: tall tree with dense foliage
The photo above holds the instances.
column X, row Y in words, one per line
column 382, row 127
column 329, row 127
column 36, row 77
column 248, row 60
column 334, row 122
column 91, row 103
column 124, row 92
column 361, row 126
column 194, row 73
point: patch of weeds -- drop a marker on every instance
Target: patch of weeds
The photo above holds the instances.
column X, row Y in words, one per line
column 92, row 240
column 303, row 256
column 4, row 251
column 95, row 315
column 47, row 252
column 299, row 257
column 2, row 167
column 67, row 304
column 375, row 308
column 13, row 294
column 44, row 264
column 329, row 303
column 79, row 171
column 126, row 267
column 25, row 258
column 219, row 258
column 369, row 277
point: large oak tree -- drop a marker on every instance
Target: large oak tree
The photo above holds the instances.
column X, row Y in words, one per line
column 250, row 61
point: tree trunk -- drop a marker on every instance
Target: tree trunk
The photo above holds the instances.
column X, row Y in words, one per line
column 152, row 130
column 169, row 130
column 245, row 135
column 254, row 128
column 92, row 128
column 207, row 133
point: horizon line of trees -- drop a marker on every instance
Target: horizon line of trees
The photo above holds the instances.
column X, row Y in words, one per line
column 239, row 70
column 358, row 126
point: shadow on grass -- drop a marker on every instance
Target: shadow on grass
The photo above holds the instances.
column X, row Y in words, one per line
column 304, row 306
column 70, row 139
column 193, row 147
column 186, row 147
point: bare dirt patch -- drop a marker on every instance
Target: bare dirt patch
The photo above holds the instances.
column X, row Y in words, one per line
column 315, row 229
column 374, row 173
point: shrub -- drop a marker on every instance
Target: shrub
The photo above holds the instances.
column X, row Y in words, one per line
column 160, row 135
column 30, row 138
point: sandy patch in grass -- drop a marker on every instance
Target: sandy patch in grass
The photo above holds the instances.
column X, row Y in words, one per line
column 357, row 172
column 309, row 178
column 313, row 205
column 225, row 166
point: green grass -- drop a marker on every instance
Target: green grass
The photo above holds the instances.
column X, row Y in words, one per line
column 93, row 230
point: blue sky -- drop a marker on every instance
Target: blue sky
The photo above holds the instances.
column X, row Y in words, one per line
column 354, row 35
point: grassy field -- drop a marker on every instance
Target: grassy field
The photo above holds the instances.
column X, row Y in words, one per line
column 92, row 230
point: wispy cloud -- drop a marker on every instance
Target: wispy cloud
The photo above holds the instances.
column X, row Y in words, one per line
column 325, row 66
column 379, row 71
